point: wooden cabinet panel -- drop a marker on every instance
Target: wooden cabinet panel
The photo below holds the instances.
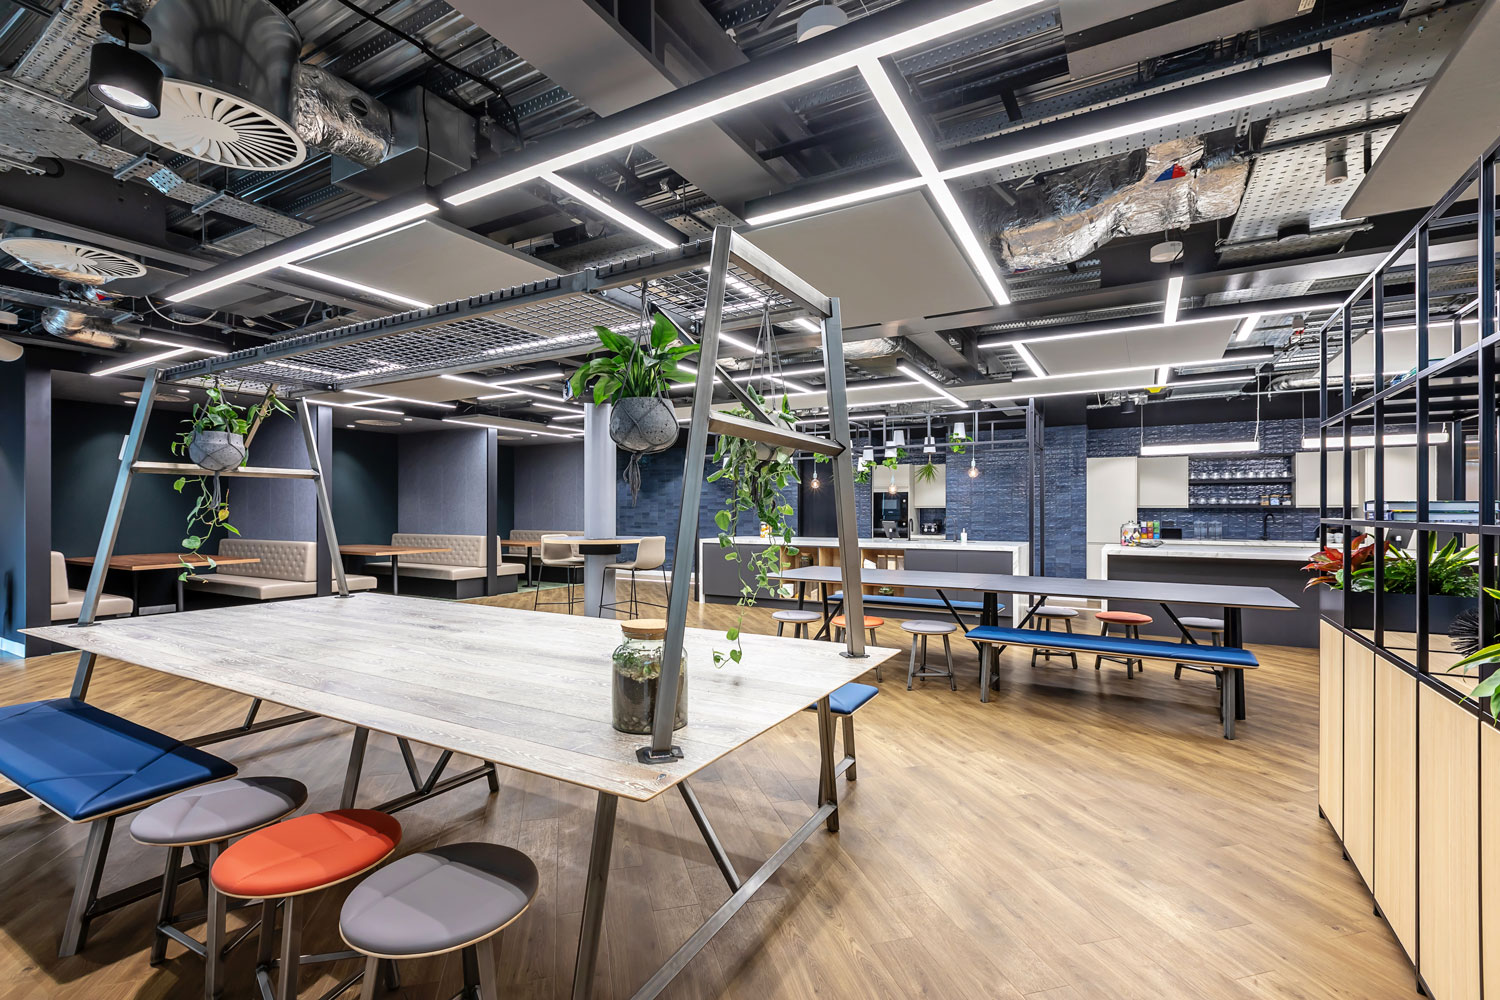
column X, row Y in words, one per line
column 1448, row 827
column 1359, row 758
column 1489, row 844
column 1395, row 883
column 1330, row 725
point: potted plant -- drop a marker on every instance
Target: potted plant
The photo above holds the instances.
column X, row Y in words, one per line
column 958, row 441
column 1486, row 688
column 634, row 375
column 217, row 439
column 925, row 473
column 1452, row 583
column 758, row 476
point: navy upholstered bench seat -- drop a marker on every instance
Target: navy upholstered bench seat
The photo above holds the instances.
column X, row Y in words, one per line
column 1231, row 657
column 848, row 699
column 894, row 601
column 84, row 763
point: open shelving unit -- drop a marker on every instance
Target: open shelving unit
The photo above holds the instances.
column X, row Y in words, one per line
column 1408, row 762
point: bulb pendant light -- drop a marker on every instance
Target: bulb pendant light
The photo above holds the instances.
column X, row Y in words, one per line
column 973, row 470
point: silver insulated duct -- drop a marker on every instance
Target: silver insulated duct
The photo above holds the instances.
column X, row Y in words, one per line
column 1070, row 214
column 235, row 94
column 79, row 328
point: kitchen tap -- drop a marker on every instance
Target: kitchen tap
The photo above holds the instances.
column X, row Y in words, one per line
column 1265, row 523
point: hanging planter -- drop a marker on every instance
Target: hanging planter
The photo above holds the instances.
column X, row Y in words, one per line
column 217, row 451
column 634, row 376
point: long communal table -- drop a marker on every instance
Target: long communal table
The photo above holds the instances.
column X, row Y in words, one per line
column 522, row 689
column 1233, row 600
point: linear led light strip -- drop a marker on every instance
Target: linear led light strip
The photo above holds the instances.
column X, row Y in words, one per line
column 585, row 196
column 377, row 397
column 1246, row 358
column 878, row 78
column 917, row 375
column 1246, row 328
column 518, row 430
column 344, row 238
column 1201, row 448
column 1040, row 150
column 174, row 350
column 990, row 345
column 842, row 62
column 1336, row 443
column 334, row 279
column 362, row 407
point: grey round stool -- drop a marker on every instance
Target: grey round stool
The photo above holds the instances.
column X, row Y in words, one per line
column 453, row 898
column 1215, row 629
column 203, row 820
column 920, row 630
column 801, row 622
column 1044, row 616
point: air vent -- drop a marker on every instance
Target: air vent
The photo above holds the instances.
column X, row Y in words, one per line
column 378, row 422
column 71, row 261
column 216, row 127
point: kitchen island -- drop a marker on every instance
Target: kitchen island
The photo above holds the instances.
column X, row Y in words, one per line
column 1223, row 561
column 719, row 579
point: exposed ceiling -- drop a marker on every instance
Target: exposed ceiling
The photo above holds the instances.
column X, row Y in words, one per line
column 460, row 90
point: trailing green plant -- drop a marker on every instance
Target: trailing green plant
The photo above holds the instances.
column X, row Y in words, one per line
column 958, row 442
column 758, row 475
column 210, row 510
column 1488, row 686
column 1451, row 571
column 925, row 473
column 631, row 367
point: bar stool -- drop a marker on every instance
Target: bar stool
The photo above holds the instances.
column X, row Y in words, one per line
column 920, row 630
column 203, row 821
column 1214, row 627
column 839, row 623
column 1130, row 623
column 1044, row 616
column 801, row 622
column 452, row 898
column 560, row 552
column 281, row 863
column 844, row 702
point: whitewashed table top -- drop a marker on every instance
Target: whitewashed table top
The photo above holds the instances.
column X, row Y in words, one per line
column 526, row 689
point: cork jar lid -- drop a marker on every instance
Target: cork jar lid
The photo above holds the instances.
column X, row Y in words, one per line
column 645, row 628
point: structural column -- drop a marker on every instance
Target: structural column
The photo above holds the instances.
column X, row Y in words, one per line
column 598, row 503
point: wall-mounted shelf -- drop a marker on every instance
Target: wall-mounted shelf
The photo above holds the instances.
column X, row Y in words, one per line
column 1247, row 505
column 1257, row 480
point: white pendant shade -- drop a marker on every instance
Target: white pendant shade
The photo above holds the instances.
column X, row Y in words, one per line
column 819, row 20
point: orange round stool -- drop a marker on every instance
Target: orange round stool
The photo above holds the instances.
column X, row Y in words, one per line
column 1130, row 623
column 839, row 623
column 278, row 864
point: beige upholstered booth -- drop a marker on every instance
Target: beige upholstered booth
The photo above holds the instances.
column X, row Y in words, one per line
column 286, row 569
column 463, row 563
column 68, row 603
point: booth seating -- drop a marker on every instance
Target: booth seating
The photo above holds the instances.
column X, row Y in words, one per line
column 457, row 573
column 89, row 766
column 286, row 569
column 1220, row 657
column 67, row 603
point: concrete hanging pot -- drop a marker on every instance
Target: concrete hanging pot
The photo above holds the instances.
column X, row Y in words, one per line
column 217, row 451
column 642, row 425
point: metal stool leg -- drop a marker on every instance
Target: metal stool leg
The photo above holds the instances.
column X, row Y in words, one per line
column 849, row 746
column 911, row 670
column 489, row 985
column 290, row 961
column 948, row 651
column 166, row 905
column 213, row 944
column 1103, row 631
column 878, row 672
column 780, row 628
column 370, row 989
column 1072, row 656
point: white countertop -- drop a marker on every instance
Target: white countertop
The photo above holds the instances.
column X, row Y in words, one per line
column 1217, row 549
column 887, row 544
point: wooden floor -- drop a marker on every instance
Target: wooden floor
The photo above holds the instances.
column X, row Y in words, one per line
column 1081, row 837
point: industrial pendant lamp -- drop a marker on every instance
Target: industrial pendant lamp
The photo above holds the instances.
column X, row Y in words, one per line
column 819, row 20
column 120, row 78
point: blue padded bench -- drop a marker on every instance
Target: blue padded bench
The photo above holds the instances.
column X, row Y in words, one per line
column 1218, row 657
column 89, row 766
column 844, row 702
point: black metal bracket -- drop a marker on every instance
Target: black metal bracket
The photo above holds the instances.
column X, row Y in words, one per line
column 646, row 755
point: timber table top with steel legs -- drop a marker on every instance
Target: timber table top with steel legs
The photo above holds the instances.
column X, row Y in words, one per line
column 523, row 689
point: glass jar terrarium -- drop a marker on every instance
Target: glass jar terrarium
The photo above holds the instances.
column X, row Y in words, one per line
column 637, row 677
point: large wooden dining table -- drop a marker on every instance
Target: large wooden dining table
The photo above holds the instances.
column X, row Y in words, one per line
column 523, row 689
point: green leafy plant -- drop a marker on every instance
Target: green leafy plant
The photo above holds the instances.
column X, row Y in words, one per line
column 958, row 442
column 210, row 510
column 1488, row 686
column 1450, row 570
column 925, row 473
column 630, row 368
column 758, row 476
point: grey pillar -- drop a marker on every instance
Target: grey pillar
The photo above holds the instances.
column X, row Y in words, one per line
column 491, row 511
column 598, row 503
column 322, row 420
column 36, row 479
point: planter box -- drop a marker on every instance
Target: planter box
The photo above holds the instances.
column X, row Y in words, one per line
column 1399, row 611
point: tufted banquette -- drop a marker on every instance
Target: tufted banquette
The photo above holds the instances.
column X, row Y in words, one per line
column 286, row 569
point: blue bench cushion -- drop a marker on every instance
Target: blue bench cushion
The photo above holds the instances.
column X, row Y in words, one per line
column 847, row 699
column 83, row 762
column 1112, row 645
column 915, row 602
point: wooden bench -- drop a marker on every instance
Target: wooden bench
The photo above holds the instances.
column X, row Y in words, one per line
column 1217, row 657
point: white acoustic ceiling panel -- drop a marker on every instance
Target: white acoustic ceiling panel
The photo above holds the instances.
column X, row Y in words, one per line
column 1156, row 32
column 1165, row 346
column 432, row 261
column 887, row 260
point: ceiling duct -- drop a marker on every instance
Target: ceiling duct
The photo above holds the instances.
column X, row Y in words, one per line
column 1070, row 214
column 235, row 94
column 80, row 328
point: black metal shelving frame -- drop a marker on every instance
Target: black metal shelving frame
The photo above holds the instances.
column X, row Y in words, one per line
column 1457, row 391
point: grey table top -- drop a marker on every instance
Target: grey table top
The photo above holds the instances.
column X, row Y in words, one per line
column 1262, row 598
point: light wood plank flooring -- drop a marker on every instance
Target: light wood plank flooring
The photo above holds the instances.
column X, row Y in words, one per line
column 1081, row 837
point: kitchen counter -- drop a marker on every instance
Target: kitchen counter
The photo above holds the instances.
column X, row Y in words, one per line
column 885, row 544
column 1253, row 563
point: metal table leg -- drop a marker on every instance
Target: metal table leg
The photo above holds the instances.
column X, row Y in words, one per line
column 1234, row 636
column 135, row 595
column 396, row 574
column 356, row 764
column 828, row 785
column 593, row 896
column 180, row 603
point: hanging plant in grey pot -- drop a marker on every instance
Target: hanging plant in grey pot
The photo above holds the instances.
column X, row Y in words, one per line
column 634, row 375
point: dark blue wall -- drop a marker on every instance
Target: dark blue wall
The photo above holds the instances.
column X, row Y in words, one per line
column 276, row 509
column 548, row 490
column 12, row 504
column 364, row 486
column 441, row 482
